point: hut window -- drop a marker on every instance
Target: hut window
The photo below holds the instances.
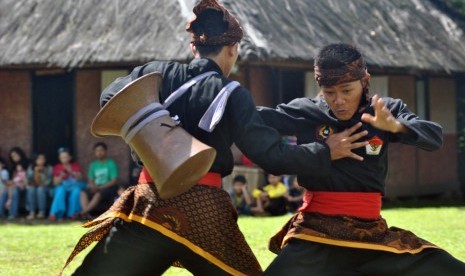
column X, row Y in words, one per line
column 108, row 76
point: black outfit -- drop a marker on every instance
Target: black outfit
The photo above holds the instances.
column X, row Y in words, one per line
column 203, row 219
column 314, row 243
column 240, row 124
column 303, row 258
column 312, row 120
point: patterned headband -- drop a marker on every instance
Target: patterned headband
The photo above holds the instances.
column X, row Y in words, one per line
column 232, row 35
column 355, row 70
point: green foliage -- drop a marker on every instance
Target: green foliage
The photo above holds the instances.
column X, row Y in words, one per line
column 42, row 249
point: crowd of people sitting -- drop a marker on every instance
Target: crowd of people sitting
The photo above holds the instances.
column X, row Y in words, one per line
column 37, row 190
column 40, row 190
column 280, row 195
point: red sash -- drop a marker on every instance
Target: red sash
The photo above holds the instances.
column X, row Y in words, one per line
column 210, row 179
column 354, row 204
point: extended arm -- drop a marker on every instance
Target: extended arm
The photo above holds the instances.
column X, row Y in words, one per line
column 262, row 144
column 289, row 119
column 393, row 115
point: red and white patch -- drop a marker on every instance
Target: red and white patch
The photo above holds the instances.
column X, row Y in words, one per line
column 374, row 146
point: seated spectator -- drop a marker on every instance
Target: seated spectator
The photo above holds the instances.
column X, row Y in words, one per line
column 4, row 181
column 240, row 195
column 102, row 177
column 67, row 178
column 5, row 197
column 270, row 199
column 10, row 198
column 40, row 175
column 294, row 195
column 17, row 156
column 4, row 174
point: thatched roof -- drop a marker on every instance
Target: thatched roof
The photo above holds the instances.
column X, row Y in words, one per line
column 412, row 34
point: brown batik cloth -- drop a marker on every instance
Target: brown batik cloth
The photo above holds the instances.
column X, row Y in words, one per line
column 348, row 232
column 203, row 219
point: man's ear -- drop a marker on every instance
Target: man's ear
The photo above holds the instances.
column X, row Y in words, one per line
column 194, row 50
column 366, row 80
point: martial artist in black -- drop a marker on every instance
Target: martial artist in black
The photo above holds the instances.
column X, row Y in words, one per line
column 339, row 229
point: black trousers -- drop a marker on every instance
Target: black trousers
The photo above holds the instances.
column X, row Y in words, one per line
column 135, row 249
column 301, row 257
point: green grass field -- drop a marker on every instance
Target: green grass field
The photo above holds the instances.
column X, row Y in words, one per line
column 41, row 249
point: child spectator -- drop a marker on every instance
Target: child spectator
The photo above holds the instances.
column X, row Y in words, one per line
column 67, row 178
column 240, row 195
column 270, row 199
column 102, row 177
column 40, row 178
column 294, row 195
column 19, row 177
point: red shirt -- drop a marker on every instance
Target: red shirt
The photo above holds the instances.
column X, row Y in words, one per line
column 60, row 168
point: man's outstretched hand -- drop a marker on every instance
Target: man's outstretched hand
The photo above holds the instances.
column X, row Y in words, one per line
column 383, row 119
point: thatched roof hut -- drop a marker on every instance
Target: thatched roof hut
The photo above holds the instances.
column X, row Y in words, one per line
column 393, row 34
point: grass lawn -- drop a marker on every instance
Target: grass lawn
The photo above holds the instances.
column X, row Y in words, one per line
column 41, row 249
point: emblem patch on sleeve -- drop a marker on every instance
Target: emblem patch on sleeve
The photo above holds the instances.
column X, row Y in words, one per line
column 374, row 146
column 324, row 131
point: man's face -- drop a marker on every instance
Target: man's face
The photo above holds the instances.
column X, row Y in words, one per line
column 100, row 153
column 343, row 99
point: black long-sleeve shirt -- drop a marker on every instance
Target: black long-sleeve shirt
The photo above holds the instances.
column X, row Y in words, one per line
column 311, row 120
column 240, row 123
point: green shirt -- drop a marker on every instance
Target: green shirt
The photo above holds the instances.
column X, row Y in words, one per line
column 103, row 172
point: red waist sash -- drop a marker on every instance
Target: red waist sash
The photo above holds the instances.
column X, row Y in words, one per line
column 354, row 204
column 210, row 179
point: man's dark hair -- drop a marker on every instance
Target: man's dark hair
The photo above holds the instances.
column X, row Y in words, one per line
column 210, row 23
column 239, row 178
column 336, row 55
column 101, row 144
